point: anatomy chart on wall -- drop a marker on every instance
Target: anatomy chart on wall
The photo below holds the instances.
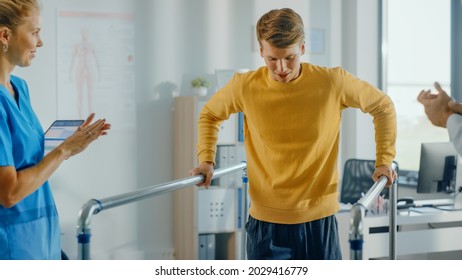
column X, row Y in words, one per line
column 96, row 66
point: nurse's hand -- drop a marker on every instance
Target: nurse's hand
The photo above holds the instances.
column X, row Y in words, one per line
column 84, row 136
column 15, row 185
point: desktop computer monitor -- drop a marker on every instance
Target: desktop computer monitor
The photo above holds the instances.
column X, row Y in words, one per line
column 438, row 168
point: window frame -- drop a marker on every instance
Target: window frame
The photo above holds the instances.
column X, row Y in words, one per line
column 456, row 45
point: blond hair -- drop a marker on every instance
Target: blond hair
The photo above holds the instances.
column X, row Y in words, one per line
column 13, row 12
column 281, row 28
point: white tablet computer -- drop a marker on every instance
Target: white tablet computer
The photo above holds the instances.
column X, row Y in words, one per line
column 59, row 131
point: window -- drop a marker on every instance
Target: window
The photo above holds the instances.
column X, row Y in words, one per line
column 416, row 48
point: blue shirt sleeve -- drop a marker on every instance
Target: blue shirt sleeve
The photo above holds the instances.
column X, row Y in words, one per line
column 6, row 156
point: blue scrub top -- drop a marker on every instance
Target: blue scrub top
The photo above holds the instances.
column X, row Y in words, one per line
column 30, row 229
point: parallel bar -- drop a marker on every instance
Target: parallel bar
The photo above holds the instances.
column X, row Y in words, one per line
column 245, row 207
column 358, row 211
column 392, row 215
column 356, row 234
column 369, row 198
column 393, row 202
column 95, row 206
column 118, row 200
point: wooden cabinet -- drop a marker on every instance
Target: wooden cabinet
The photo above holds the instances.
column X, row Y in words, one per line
column 207, row 223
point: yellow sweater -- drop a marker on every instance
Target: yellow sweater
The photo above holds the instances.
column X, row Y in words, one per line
column 291, row 137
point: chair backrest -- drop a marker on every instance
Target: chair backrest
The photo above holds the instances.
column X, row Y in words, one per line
column 357, row 179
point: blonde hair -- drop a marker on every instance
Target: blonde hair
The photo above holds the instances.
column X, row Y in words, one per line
column 281, row 28
column 13, row 12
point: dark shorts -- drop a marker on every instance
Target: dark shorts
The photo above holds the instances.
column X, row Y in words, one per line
column 315, row 240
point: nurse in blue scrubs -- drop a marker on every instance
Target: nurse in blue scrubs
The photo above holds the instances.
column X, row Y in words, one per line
column 29, row 224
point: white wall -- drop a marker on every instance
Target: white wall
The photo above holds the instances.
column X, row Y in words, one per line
column 175, row 41
column 360, row 56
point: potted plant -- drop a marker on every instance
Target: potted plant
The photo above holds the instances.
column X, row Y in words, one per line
column 200, row 85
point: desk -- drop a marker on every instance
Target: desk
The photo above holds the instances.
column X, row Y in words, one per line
column 426, row 231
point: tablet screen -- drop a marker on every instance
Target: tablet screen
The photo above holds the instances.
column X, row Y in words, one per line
column 59, row 131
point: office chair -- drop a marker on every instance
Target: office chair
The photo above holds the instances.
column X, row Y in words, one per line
column 357, row 179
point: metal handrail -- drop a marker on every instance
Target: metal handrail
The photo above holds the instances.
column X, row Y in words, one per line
column 358, row 212
column 245, row 210
column 95, row 206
